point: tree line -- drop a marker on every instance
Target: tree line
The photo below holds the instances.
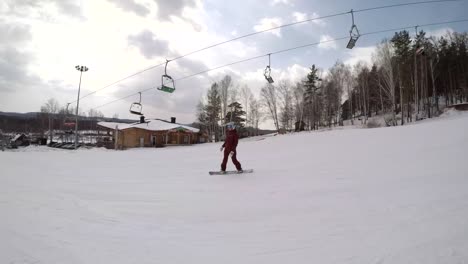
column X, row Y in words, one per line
column 52, row 116
column 408, row 79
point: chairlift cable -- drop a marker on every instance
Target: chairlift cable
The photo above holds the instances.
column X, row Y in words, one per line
column 263, row 31
column 289, row 49
column 120, row 80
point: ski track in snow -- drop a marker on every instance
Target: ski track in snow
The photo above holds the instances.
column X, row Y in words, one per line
column 389, row 195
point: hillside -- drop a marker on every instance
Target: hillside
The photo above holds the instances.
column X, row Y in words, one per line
column 386, row 195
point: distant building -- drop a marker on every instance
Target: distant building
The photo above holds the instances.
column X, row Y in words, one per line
column 152, row 133
column 20, row 140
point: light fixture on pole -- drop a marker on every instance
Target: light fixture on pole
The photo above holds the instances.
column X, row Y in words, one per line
column 81, row 69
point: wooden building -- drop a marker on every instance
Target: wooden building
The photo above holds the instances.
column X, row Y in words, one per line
column 21, row 140
column 152, row 133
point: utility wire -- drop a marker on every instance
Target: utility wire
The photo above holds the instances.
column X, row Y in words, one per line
column 263, row 31
column 285, row 50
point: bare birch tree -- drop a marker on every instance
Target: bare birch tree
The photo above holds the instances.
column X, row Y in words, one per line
column 269, row 99
column 51, row 107
column 287, row 110
column 298, row 98
column 384, row 58
column 245, row 97
column 255, row 113
column 341, row 77
column 224, row 88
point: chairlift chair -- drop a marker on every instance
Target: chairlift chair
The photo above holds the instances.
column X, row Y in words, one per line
column 167, row 83
column 353, row 34
column 136, row 108
column 267, row 72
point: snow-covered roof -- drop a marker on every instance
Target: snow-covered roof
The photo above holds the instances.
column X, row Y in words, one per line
column 112, row 125
column 18, row 136
column 150, row 124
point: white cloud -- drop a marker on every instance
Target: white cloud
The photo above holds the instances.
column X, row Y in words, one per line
column 55, row 48
column 327, row 43
column 319, row 22
column 298, row 16
column 439, row 32
column 284, row 2
column 294, row 73
column 267, row 23
column 360, row 54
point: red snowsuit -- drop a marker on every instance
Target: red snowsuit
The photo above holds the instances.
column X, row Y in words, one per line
column 229, row 145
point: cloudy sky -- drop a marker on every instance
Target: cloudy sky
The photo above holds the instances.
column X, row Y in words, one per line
column 41, row 41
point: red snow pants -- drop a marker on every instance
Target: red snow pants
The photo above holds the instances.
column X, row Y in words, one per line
column 234, row 160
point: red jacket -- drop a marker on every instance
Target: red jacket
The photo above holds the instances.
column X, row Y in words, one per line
column 231, row 141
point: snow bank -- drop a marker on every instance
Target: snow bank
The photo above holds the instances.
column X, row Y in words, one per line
column 389, row 195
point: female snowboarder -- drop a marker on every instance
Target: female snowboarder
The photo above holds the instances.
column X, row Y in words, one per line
column 229, row 146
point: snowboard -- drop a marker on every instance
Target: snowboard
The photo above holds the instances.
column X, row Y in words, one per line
column 230, row 172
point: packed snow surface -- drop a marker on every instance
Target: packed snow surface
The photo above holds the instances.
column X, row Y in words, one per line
column 386, row 195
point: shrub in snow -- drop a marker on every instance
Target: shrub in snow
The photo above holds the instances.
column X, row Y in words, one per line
column 373, row 123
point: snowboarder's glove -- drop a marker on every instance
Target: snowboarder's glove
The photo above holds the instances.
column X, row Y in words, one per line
column 221, row 149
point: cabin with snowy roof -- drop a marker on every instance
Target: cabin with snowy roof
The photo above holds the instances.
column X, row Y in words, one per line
column 152, row 133
column 20, row 140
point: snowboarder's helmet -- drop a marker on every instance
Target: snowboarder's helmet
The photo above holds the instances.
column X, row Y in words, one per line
column 231, row 125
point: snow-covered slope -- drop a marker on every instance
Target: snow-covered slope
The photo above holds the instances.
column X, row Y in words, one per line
column 389, row 195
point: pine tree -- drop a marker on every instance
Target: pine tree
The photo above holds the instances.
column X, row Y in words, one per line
column 310, row 85
column 236, row 115
column 374, row 98
column 402, row 43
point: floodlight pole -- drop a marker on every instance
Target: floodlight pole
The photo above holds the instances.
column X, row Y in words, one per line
column 81, row 69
